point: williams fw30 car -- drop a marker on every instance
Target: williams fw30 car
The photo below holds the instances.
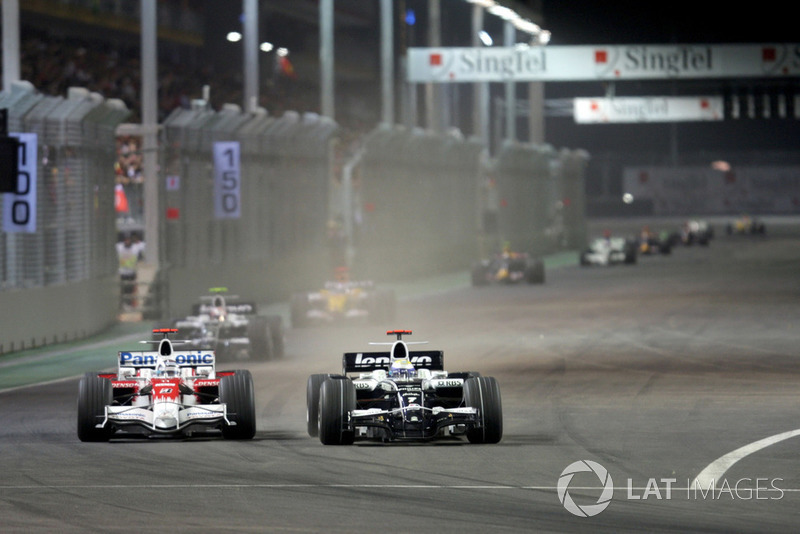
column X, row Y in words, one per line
column 609, row 251
column 508, row 268
column 343, row 301
column 166, row 393
column 232, row 328
column 402, row 395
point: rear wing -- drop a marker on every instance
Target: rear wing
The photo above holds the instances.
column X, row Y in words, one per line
column 362, row 362
column 149, row 358
column 240, row 308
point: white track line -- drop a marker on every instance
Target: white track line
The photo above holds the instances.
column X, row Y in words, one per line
column 127, row 487
column 716, row 469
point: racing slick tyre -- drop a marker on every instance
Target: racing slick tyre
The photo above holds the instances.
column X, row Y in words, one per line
column 534, row 273
column 94, row 394
column 261, row 341
column 236, row 392
column 299, row 310
column 275, row 323
column 630, row 253
column 337, row 397
column 483, row 393
column 312, row 403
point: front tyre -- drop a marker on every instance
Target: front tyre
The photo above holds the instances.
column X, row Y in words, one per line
column 94, row 394
column 483, row 393
column 313, row 386
column 337, row 398
column 236, row 392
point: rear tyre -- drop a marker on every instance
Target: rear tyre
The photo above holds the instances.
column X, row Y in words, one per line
column 275, row 323
column 483, row 393
column 260, row 336
column 94, row 394
column 236, row 392
column 336, row 399
column 312, row 403
column 534, row 273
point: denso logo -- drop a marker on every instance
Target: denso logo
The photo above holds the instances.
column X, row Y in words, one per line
column 145, row 359
column 368, row 361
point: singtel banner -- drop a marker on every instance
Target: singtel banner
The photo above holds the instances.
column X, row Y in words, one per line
column 587, row 63
column 648, row 109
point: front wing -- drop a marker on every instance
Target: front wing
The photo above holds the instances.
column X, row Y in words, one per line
column 413, row 422
column 207, row 415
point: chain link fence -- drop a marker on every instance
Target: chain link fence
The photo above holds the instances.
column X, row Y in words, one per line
column 70, row 246
column 392, row 204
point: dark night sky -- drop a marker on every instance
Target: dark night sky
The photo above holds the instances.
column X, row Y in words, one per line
column 587, row 22
column 574, row 22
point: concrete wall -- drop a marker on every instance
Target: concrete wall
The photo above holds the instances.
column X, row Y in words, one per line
column 55, row 314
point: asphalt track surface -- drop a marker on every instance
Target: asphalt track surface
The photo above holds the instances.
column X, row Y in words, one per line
column 653, row 371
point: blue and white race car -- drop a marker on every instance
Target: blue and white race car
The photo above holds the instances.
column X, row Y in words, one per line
column 402, row 394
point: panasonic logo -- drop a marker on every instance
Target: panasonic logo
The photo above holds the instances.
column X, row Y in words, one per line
column 369, row 361
column 147, row 359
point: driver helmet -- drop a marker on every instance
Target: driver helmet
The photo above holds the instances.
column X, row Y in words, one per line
column 402, row 369
column 166, row 368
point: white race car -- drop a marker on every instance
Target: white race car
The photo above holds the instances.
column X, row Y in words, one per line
column 399, row 395
column 166, row 392
column 609, row 251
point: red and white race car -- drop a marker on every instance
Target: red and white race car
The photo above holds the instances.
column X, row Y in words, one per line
column 166, row 392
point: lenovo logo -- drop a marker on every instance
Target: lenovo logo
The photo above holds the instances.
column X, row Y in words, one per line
column 378, row 361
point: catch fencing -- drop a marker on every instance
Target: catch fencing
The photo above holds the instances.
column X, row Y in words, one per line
column 391, row 204
column 71, row 245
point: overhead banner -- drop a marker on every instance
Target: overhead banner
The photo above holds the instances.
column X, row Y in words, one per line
column 648, row 109
column 592, row 63
column 227, row 180
column 19, row 208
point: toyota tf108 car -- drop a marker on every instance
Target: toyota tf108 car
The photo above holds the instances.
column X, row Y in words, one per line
column 508, row 268
column 400, row 395
column 166, row 392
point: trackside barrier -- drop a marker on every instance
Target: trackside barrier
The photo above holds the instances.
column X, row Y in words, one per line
column 278, row 244
column 60, row 281
column 418, row 211
column 539, row 198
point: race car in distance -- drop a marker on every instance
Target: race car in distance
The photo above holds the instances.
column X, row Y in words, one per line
column 343, row 300
column 508, row 268
column 232, row 328
column 402, row 395
column 609, row 251
column 652, row 243
column 746, row 225
column 696, row 231
column 166, row 393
